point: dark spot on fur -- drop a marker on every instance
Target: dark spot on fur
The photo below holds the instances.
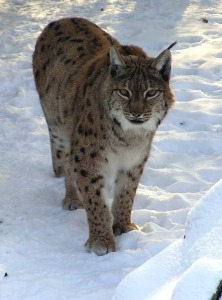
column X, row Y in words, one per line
column 76, row 40
column 117, row 134
column 98, row 193
column 84, row 88
column 66, row 38
column 95, row 179
column 58, row 33
column 127, row 50
column 47, row 88
column 130, row 175
column 113, row 71
column 68, row 61
column 82, row 55
column 43, row 48
column 79, row 48
column 58, row 154
column 80, row 129
column 37, row 74
column 77, row 159
column 51, row 24
column 93, row 154
column 90, row 131
column 74, row 21
column 90, row 118
column 63, row 38
column 65, row 112
column 96, row 42
column 88, row 102
column 46, row 64
column 90, row 70
column 60, row 51
column 57, row 27
column 82, row 149
column 84, row 173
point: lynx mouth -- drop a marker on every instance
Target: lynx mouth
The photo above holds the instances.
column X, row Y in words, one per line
column 136, row 121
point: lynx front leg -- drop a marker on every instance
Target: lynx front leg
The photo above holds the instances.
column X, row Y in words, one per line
column 125, row 190
column 101, row 239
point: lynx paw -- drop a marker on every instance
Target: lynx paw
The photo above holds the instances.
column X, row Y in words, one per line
column 123, row 228
column 100, row 245
column 71, row 204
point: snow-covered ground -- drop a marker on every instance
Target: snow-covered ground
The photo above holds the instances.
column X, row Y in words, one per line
column 41, row 246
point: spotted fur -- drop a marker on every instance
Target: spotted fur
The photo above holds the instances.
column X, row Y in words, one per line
column 103, row 103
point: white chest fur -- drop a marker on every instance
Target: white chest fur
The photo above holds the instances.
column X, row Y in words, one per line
column 124, row 159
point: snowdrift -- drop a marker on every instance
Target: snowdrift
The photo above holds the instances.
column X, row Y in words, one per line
column 190, row 268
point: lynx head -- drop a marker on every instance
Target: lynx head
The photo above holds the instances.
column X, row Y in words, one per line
column 140, row 91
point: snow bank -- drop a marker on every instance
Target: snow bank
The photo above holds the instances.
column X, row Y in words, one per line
column 190, row 268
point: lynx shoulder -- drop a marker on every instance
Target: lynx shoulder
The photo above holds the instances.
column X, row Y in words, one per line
column 103, row 102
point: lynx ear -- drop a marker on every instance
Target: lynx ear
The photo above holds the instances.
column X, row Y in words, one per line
column 163, row 63
column 117, row 63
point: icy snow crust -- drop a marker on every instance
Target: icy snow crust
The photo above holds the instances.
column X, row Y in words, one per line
column 41, row 246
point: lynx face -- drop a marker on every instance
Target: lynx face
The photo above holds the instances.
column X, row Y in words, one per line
column 138, row 94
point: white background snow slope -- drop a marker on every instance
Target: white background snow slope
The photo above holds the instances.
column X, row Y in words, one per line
column 41, row 246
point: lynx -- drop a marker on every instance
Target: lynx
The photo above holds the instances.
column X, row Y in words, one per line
column 103, row 103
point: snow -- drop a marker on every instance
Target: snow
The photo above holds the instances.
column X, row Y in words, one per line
column 191, row 267
column 42, row 246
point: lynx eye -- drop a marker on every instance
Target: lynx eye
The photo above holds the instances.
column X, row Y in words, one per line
column 151, row 94
column 124, row 93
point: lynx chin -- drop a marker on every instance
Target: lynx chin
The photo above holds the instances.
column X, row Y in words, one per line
column 103, row 103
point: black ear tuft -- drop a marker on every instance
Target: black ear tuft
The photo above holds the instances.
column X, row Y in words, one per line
column 172, row 45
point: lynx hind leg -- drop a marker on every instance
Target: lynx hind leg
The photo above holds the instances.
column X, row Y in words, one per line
column 72, row 198
column 59, row 150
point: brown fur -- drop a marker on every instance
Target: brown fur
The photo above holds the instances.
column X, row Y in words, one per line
column 103, row 103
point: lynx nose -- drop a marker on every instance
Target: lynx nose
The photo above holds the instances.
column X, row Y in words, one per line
column 136, row 114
